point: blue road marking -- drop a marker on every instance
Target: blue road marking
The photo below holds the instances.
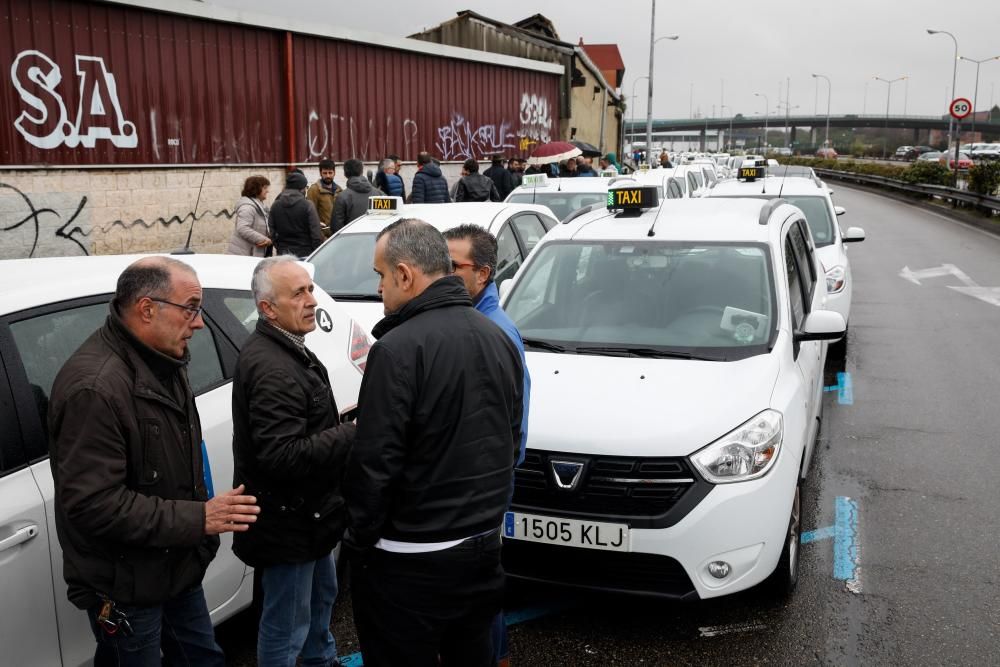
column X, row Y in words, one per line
column 845, row 539
column 352, row 660
column 816, row 535
column 845, row 395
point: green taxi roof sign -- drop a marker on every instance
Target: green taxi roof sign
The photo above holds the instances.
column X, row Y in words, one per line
column 633, row 198
column 384, row 205
column 535, row 180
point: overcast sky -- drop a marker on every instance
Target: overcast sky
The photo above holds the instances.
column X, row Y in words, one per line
column 728, row 50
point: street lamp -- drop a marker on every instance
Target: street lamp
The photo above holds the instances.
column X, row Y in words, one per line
column 729, row 137
column 788, row 107
column 767, row 111
column 632, row 136
column 829, row 90
column 975, row 96
column 954, row 71
column 649, row 101
column 885, row 137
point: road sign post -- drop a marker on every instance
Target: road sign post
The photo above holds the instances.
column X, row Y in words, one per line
column 959, row 108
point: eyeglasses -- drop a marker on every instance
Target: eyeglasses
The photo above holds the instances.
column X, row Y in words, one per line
column 455, row 266
column 192, row 311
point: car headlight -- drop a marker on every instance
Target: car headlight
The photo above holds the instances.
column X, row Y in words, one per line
column 836, row 278
column 746, row 453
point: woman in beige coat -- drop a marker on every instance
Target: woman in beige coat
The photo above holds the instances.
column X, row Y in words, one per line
column 250, row 234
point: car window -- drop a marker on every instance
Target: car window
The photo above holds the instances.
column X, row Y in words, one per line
column 795, row 297
column 560, row 203
column 675, row 189
column 692, row 181
column 508, row 255
column 245, row 310
column 45, row 342
column 11, row 454
column 817, row 215
column 530, row 229
column 344, row 267
column 804, row 258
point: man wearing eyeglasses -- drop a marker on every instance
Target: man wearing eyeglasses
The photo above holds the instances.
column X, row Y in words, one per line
column 134, row 520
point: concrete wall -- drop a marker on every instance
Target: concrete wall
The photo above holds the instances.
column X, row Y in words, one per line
column 586, row 116
column 54, row 213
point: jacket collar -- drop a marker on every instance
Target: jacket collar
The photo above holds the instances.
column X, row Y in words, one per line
column 153, row 370
column 442, row 293
column 489, row 299
column 267, row 330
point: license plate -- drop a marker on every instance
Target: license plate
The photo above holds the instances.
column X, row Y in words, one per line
column 567, row 532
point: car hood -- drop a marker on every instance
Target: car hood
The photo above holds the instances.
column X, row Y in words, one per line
column 642, row 407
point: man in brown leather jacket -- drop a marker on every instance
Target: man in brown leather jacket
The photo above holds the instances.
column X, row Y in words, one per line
column 136, row 526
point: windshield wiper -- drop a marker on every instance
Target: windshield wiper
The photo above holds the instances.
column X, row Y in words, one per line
column 355, row 297
column 646, row 352
column 542, row 345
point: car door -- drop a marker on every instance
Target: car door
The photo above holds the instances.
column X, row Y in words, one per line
column 39, row 342
column 804, row 277
column 509, row 253
column 28, row 633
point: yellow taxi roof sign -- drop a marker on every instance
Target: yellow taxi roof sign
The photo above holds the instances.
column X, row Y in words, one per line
column 384, row 205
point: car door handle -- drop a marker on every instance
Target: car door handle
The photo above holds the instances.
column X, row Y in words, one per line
column 20, row 535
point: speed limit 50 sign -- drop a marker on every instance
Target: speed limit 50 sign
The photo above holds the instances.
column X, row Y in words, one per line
column 960, row 108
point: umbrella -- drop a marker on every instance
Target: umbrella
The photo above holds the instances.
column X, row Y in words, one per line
column 588, row 150
column 554, row 151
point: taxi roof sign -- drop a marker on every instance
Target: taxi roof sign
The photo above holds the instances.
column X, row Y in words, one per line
column 635, row 198
column 608, row 173
column 535, row 180
column 384, row 205
column 751, row 170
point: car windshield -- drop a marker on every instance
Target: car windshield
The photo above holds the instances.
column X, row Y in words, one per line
column 690, row 300
column 344, row 268
column 817, row 214
column 560, row 203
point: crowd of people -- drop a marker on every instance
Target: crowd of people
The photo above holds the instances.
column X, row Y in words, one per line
column 414, row 489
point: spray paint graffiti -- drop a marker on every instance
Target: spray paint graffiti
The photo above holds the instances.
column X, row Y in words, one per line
column 459, row 140
column 536, row 122
column 99, row 113
column 322, row 136
column 35, row 222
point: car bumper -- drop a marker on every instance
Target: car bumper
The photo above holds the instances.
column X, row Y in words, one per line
column 742, row 524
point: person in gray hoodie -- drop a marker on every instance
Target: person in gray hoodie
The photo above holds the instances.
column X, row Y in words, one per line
column 353, row 201
column 293, row 219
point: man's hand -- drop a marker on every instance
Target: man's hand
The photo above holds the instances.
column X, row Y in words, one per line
column 230, row 512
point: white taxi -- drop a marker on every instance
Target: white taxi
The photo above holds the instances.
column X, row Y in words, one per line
column 676, row 353
column 344, row 262
column 49, row 308
column 813, row 198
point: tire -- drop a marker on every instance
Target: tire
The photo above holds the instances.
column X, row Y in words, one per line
column 783, row 580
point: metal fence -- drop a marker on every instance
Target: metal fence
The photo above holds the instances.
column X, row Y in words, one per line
column 984, row 203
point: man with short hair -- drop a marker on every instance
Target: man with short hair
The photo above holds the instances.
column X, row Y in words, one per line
column 429, row 476
column 323, row 193
column 429, row 185
column 132, row 511
column 501, row 178
column 388, row 179
column 293, row 220
column 473, row 253
column 289, row 449
column 353, row 201
column 516, row 168
column 475, row 186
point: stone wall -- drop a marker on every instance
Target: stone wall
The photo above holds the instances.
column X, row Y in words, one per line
column 63, row 212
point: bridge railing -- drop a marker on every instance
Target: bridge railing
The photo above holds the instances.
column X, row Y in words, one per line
column 984, row 203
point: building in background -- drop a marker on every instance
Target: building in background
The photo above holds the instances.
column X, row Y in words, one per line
column 590, row 107
column 123, row 122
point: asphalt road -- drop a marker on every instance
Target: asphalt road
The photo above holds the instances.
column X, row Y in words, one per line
column 910, row 439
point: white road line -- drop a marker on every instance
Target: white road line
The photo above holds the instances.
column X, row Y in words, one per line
column 732, row 628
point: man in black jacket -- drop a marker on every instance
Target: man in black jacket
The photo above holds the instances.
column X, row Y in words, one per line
column 289, row 447
column 429, row 476
column 429, row 184
column 353, row 201
column 132, row 512
column 293, row 220
column 501, row 177
column 474, row 186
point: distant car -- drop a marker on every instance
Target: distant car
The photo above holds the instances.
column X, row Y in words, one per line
column 784, row 150
column 930, row 156
column 985, row 152
column 964, row 161
column 901, row 152
column 826, row 152
column 916, row 151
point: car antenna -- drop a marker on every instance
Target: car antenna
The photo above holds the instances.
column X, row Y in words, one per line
column 783, row 177
column 658, row 211
column 186, row 250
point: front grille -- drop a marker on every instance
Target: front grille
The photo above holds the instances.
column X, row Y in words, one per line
column 650, row 574
column 642, row 491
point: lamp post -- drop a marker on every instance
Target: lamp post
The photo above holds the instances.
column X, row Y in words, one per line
column 788, row 107
column 975, row 96
column 649, row 102
column 632, row 123
column 885, row 137
column 729, row 137
column 767, row 111
column 954, row 71
column 829, row 90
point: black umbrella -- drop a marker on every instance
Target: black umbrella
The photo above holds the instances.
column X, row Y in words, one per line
column 588, row 150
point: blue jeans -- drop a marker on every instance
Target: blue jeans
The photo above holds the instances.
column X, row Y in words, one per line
column 181, row 627
column 297, row 605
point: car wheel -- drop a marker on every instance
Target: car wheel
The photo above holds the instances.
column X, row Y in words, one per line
column 784, row 578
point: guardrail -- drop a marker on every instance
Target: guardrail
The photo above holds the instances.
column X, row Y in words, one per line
column 984, row 203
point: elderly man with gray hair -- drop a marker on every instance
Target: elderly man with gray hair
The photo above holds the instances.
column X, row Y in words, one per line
column 430, row 472
column 290, row 449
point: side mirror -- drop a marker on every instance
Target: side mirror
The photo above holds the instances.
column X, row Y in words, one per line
column 854, row 235
column 504, row 289
column 839, row 210
column 822, row 325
